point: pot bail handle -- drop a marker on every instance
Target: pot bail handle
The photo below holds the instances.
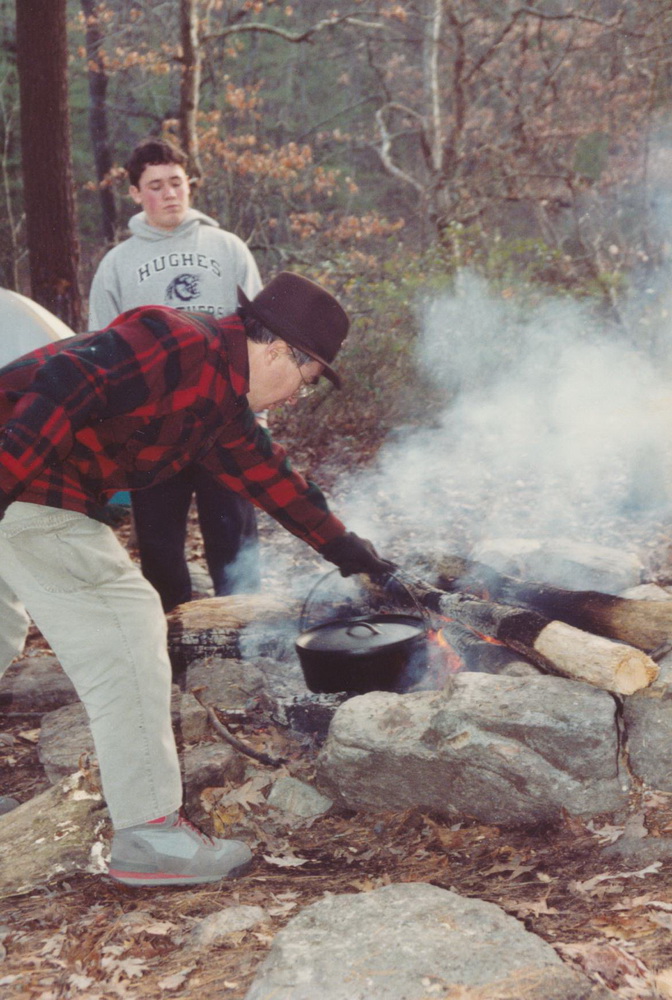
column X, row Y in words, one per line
column 396, row 577
column 304, row 609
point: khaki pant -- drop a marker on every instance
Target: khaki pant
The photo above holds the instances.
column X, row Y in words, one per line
column 105, row 624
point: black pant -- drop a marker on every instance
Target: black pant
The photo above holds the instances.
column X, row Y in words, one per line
column 228, row 525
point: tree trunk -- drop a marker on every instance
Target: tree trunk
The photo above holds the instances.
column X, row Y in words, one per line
column 98, row 117
column 190, row 85
column 53, row 246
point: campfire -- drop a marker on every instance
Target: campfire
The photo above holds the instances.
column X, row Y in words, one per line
column 472, row 618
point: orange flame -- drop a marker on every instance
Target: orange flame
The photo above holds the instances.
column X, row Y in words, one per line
column 443, row 659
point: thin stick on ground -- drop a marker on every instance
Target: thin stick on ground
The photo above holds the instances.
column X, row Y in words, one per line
column 227, row 735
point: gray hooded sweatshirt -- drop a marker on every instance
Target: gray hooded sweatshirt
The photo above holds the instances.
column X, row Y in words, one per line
column 196, row 266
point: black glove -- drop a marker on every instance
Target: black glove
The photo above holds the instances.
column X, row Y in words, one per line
column 353, row 554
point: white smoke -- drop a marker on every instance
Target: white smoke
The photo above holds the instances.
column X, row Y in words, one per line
column 558, row 425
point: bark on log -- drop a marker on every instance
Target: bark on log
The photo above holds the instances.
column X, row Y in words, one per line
column 215, row 625
column 644, row 624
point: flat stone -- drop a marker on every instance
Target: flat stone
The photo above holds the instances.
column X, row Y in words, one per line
column 412, row 942
column 194, row 723
column 295, row 797
column 506, row 750
column 229, row 920
column 64, row 737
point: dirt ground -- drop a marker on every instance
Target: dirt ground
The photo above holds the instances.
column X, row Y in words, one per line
column 86, row 937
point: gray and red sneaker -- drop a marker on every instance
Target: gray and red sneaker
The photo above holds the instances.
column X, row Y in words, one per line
column 172, row 851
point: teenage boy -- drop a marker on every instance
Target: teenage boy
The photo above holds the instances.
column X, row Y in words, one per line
column 179, row 257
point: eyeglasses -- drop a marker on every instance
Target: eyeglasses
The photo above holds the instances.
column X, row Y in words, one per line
column 306, row 388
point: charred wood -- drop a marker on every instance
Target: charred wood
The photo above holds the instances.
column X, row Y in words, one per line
column 644, row 624
column 214, row 626
column 479, row 655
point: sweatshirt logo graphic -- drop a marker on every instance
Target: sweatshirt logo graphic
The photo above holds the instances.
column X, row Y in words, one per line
column 183, row 288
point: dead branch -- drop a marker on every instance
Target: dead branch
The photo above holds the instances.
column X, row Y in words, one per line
column 227, row 735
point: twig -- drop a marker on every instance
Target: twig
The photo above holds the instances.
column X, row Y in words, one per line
column 237, row 744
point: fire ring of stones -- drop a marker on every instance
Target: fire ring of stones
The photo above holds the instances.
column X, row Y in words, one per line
column 560, row 708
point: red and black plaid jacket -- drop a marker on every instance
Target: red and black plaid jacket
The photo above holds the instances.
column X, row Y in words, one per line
column 131, row 405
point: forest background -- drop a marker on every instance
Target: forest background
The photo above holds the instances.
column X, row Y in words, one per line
column 379, row 147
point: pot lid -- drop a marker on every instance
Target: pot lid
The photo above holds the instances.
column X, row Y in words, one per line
column 361, row 636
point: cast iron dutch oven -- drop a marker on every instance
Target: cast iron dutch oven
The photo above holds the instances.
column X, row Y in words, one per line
column 378, row 652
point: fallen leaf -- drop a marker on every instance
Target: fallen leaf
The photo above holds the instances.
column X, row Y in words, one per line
column 663, row 982
column 79, row 982
column 609, row 961
column 31, row 735
column 606, row 834
column 591, row 883
column 132, row 968
column 515, row 867
column 157, row 928
column 176, row 980
column 532, row 908
column 280, row 909
column 249, row 794
column 286, row 861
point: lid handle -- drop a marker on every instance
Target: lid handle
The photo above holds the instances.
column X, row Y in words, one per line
column 367, row 625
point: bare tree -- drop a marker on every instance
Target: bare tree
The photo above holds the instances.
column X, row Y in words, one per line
column 53, row 245
column 190, row 84
column 98, row 128
column 486, row 107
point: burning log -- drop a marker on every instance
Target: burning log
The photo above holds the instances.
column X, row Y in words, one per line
column 550, row 644
column 644, row 624
column 571, row 652
column 476, row 653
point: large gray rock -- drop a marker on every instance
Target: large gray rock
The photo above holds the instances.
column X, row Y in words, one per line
column 413, row 942
column 648, row 725
column 64, row 737
column 36, row 684
column 228, row 683
column 562, row 562
column 506, row 750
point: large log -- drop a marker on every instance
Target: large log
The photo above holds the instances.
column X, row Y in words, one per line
column 599, row 661
column 230, row 626
column 644, row 624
